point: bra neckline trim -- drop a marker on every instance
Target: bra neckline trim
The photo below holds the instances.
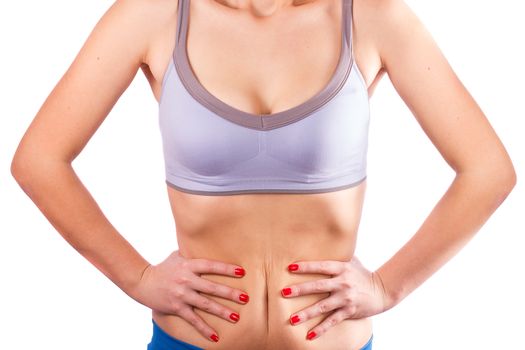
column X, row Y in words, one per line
column 262, row 121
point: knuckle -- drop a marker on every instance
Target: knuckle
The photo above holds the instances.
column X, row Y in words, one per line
column 352, row 310
column 348, row 298
column 206, row 304
column 224, row 269
column 200, row 325
column 319, row 285
column 177, row 293
column 176, row 307
column 298, row 289
column 332, row 321
column 324, row 266
column 196, row 322
column 210, row 265
column 322, row 307
column 193, row 319
column 345, row 284
column 182, row 279
column 185, row 264
column 212, row 288
column 197, row 264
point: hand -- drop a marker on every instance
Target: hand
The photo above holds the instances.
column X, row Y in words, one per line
column 355, row 293
column 171, row 287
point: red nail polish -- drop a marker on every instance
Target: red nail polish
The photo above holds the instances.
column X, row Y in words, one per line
column 244, row 297
column 286, row 291
column 239, row 271
column 214, row 337
column 293, row 267
column 294, row 319
column 311, row 335
column 234, row 316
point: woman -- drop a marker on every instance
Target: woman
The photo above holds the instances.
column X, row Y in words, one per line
column 264, row 121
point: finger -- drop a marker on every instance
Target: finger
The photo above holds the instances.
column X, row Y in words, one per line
column 215, row 267
column 212, row 307
column 213, row 288
column 198, row 323
column 327, row 323
column 311, row 287
column 321, row 307
column 326, row 267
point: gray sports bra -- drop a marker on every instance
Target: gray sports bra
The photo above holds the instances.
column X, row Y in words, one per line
column 212, row 148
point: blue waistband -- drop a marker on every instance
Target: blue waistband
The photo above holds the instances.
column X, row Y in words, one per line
column 163, row 341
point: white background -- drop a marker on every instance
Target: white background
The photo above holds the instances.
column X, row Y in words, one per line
column 52, row 298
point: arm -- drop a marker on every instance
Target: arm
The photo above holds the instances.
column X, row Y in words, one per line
column 71, row 114
column 454, row 122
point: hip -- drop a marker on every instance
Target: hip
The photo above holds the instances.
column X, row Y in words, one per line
column 161, row 340
column 264, row 321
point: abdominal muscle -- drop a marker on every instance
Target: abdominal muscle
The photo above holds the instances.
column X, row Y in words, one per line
column 264, row 233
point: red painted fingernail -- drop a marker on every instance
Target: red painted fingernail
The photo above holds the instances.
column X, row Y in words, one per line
column 214, row 337
column 244, row 297
column 293, row 267
column 234, row 316
column 311, row 335
column 239, row 271
column 294, row 319
column 286, row 291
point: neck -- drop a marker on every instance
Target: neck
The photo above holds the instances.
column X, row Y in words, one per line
column 260, row 8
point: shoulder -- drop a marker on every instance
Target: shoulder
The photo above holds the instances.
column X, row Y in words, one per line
column 384, row 13
column 148, row 9
column 142, row 21
column 389, row 24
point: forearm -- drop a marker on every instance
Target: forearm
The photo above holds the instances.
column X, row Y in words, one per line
column 459, row 214
column 66, row 203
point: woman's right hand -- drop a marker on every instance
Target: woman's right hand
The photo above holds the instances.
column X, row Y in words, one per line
column 172, row 287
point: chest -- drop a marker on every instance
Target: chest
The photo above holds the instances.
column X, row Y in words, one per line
column 237, row 117
column 268, row 65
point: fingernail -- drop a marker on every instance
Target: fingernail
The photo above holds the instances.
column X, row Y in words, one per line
column 234, row 316
column 293, row 267
column 244, row 297
column 311, row 335
column 286, row 291
column 294, row 319
column 239, row 271
column 214, row 337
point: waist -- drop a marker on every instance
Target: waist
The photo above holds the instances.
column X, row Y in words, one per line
column 264, row 320
column 264, row 233
column 340, row 339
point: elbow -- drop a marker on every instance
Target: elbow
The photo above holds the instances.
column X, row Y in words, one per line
column 25, row 168
column 500, row 181
column 496, row 180
column 31, row 170
column 511, row 179
column 508, row 179
column 17, row 168
column 20, row 170
column 20, row 163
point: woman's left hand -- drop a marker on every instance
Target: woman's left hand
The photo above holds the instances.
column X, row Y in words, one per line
column 355, row 293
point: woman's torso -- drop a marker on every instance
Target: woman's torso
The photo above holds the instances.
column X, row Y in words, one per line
column 263, row 232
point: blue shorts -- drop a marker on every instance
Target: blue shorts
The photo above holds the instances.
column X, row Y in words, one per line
column 163, row 341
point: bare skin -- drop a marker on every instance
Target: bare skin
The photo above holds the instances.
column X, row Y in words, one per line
column 264, row 233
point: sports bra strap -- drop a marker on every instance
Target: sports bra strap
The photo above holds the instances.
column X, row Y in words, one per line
column 263, row 121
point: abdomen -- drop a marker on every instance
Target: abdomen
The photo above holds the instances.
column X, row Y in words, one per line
column 264, row 233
